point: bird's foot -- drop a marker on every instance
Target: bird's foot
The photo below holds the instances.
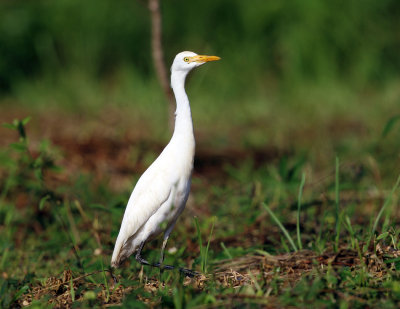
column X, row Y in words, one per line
column 113, row 276
column 142, row 260
column 163, row 266
column 188, row 272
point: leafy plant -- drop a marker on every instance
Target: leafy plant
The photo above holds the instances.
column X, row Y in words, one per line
column 26, row 171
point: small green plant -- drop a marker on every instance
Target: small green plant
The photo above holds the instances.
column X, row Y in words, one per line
column 105, row 282
column 337, row 204
column 203, row 250
column 283, row 229
column 227, row 253
column 26, row 171
column 387, row 202
column 351, row 231
column 303, row 179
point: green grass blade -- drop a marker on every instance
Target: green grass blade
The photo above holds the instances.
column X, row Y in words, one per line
column 200, row 243
column 226, row 251
column 350, row 230
column 337, row 202
column 208, row 246
column 203, row 250
column 389, row 125
column 105, row 282
column 19, row 293
column 72, row 291
column 303, row 179
column 3, row 259
column 283, row 229
column 385, row 205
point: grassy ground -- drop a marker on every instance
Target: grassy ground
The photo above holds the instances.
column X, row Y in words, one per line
column 292, row 205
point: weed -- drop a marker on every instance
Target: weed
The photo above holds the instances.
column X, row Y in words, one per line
column 303, row 179
column 203, row 250
column 283, row 229
column 337, row 204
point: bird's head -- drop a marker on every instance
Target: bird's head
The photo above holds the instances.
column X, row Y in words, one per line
column 186, row 61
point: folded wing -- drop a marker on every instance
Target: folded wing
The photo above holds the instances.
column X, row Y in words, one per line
column 151, row 191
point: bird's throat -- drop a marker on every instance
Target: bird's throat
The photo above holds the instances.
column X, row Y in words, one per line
column 183, row 115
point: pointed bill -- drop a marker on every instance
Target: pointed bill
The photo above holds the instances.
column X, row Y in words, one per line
column 203, row 58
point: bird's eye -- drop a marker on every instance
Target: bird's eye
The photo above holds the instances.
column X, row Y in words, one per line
column 186, row 59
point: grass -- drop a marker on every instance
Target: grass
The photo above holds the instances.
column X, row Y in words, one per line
column 263, row 235
column 337, row 204
column 204, row 250
column 283, row 229
column 303, row 180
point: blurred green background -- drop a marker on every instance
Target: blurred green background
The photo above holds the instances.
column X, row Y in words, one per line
column 287, row 65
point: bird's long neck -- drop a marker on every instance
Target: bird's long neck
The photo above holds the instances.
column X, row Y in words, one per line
column 183, row 116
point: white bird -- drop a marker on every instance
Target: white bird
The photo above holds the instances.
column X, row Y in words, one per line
column 161, row 193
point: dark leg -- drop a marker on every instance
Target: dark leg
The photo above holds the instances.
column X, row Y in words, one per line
column 162, row 249
column 188, row 272
column 139, row 257
column 112, row 275
column 162, row 255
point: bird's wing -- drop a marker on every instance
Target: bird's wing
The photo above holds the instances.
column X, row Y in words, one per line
column 152, row 190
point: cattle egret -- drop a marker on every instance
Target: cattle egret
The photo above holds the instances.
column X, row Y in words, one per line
column 161, row 193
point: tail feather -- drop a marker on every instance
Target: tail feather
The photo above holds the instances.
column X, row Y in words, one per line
column 122, row 250
column 116, row 256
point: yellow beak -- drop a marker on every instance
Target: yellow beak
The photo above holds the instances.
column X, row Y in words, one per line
column 203, row 58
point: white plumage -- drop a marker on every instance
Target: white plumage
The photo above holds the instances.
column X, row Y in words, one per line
column 161, row 193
